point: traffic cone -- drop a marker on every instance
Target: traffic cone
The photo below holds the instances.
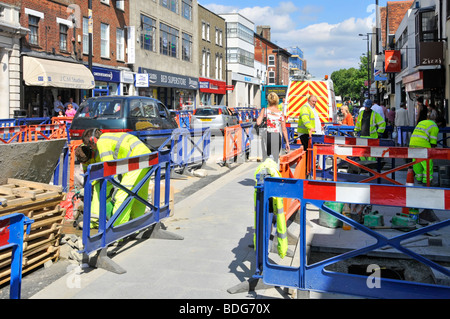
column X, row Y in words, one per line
column 410, row 177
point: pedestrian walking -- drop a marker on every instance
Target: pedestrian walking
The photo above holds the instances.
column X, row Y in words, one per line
column 424, row 135
column 271, row 138
column 369, row 123
column 401, row 119
column 113, row 146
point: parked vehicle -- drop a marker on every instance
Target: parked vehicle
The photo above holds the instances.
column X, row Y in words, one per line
column 122, row 114
column 299, row 91
column 215, row 117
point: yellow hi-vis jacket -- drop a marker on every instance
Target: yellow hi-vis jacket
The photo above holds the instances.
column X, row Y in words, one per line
column 113, row 146
column 306, row 119
column 425, row 134
column 377, row 124
column 282, row 244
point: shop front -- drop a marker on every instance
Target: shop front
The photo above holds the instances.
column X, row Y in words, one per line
column 212, row 92
column 107, row 81
column 46, row 79
column 429, row 84
column 177, row 92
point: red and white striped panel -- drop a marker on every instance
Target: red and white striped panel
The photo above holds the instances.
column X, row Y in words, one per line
column 294, row 125
column 48, row 127
column 128, row 165
column 382, row 151
column 359, row 141
column 371, row 194
column 11, row 129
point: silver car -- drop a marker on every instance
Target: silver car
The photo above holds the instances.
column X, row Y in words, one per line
column 215, row 117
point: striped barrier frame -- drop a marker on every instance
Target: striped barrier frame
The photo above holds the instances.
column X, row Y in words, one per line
column 344, row 151
column 104, row 173
column 11, row 236
column 12, row 133
column 297, row 159
column 315, row 277
column 47, row 132
column 190, row 146
column 237, row 141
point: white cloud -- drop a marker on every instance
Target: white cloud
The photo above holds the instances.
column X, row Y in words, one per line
column 326, row 47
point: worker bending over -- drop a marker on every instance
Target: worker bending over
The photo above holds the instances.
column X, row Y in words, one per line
column 114, row 146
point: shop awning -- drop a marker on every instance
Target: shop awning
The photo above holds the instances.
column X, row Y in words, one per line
column 43, row 72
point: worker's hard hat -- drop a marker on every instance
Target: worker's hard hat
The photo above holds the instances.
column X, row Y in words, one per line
column 368, row 103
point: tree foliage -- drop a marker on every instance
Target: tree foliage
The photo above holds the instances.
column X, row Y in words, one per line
column 349, row 82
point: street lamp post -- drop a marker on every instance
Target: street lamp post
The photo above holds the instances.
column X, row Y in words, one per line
column 369, row 60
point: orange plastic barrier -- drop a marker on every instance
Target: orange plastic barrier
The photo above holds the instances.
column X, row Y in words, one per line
column 55, row 131
column 19, row 132
column 296, row 158
column 232, row 142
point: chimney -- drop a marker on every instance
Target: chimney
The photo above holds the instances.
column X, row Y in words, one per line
column 264, row 31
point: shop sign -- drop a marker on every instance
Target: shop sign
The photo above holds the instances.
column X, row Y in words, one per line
column 393, row 61
column 431, row 53
column 159, row 78
column 106, row 75
column 141, row 80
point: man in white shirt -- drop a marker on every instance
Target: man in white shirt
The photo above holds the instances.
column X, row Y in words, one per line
column 58, row 106
column 75, row 105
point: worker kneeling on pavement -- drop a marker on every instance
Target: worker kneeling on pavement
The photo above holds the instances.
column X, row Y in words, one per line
column 114, row 146
column 424, row 135
column 269, row 166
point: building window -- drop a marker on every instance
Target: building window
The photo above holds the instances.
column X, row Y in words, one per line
column 238, row 55
column 426, row 29
column 271, row 59
column 148, row 34
column 204, row 30
column 63, row 37
column 237, row 30
column 85, row 35
column 105, row 1
column 168, row 40
column 271, row 77
column 120, row 44
column 104, row 40
column 33, row 25
column 172, row 5
column 120, row 4
column 186, row 8
column 208, row 64
column 207, row 31
column 203, row 72
column 186, row 47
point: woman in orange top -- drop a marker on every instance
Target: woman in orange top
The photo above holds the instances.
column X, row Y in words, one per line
column 348, row 118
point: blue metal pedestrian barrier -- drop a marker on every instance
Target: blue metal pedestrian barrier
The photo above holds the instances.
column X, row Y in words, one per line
column 314, row 277
column 190, row 147
column 11, row 236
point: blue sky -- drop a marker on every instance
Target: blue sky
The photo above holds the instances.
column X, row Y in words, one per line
column 327, row 31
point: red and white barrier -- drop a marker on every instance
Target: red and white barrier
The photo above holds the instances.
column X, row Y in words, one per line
column 372, row 194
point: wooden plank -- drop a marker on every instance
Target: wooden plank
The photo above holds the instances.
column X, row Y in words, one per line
column 19, row 182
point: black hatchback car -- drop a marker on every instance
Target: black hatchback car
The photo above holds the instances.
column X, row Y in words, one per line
column 121, row 114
